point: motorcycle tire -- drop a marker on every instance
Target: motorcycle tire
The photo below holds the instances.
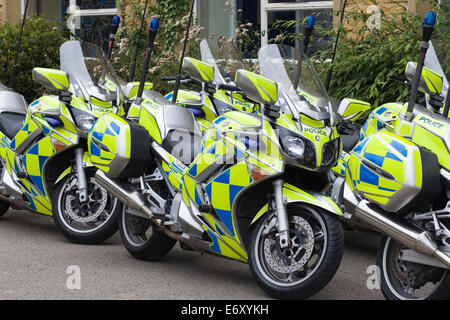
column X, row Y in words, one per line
column 305, row 223
column 76, row 225
column 141, row 245
column 390, row 283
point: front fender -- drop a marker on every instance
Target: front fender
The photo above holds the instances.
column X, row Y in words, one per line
column 86, row 164
column 296, row 195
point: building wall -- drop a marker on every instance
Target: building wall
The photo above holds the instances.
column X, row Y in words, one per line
column 415, row 6
column 11, row 11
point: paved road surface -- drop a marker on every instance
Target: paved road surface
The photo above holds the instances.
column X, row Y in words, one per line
column 34, row 258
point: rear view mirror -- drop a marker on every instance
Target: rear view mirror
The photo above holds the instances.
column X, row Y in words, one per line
column 430, row 82
column 52, row 79
column 353, row 110
column 199, row 70
column 257, row 87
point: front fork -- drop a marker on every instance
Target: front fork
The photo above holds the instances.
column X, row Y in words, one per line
column 81, row 175
column 281, row 213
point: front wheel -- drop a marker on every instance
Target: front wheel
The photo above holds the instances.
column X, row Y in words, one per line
column 403, row 280
column 89, row 222
column 309, row 263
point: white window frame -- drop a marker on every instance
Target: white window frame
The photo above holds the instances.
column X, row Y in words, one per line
column 89, row 12
column 92, row 12
column 84, row 13
column 267, row 7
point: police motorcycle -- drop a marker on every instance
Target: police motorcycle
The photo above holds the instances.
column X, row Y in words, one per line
column 247, row 190
column 396, row 180
column 210, row 90
column 45, row 167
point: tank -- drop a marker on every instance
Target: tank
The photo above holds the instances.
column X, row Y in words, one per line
column 393, row 172
column 119, row 148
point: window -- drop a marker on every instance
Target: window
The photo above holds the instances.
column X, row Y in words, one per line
column 262, row 14
column 272, row 10
column 89, row 19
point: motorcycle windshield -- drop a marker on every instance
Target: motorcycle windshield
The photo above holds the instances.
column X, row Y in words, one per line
column 438, row 60
column 223, row 55
column 300, row 88
column 90, row 73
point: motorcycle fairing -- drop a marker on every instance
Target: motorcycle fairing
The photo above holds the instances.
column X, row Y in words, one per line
column 220, row 186
column 341, row 167
column 433, row 133
column 294, row 194
column 241, row 104
column 381, row 117
column 21, row 157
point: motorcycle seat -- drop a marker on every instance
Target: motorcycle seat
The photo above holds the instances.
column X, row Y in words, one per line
column 11, row 123
column 13, row 109
column 182, row 136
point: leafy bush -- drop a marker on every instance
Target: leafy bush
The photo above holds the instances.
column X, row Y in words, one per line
column 40, row 48
column 367, row 57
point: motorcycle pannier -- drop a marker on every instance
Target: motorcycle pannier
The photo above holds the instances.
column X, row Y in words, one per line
column 119, row 148
column 393, row 172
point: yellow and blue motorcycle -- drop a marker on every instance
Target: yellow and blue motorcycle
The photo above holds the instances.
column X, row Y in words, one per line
column 211, row 91
column 397, row 180
column 45, row 168
column 248, row 190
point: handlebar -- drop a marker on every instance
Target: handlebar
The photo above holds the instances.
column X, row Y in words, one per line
column 398, row 77
column 228, row 87
column 174, row 78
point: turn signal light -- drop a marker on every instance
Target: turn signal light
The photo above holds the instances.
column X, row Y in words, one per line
column 257, row 173
column 58, row 145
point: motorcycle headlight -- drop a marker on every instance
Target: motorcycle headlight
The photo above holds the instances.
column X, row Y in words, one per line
column 85, row 123
column 293, row 147
column 329, row 152
column 298, row 148
column 83, row 120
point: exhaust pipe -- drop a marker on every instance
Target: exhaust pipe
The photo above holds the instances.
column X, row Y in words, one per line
column 131, row 198
column 124, row 192
column 407, row 234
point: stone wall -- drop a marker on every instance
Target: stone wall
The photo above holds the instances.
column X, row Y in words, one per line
column 415, row 6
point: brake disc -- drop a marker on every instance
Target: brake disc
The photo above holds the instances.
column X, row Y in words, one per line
column 92, row 208
column 300, row 251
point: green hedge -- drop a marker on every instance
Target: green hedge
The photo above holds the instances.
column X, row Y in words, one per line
column 367, row 57
column 40, row 48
